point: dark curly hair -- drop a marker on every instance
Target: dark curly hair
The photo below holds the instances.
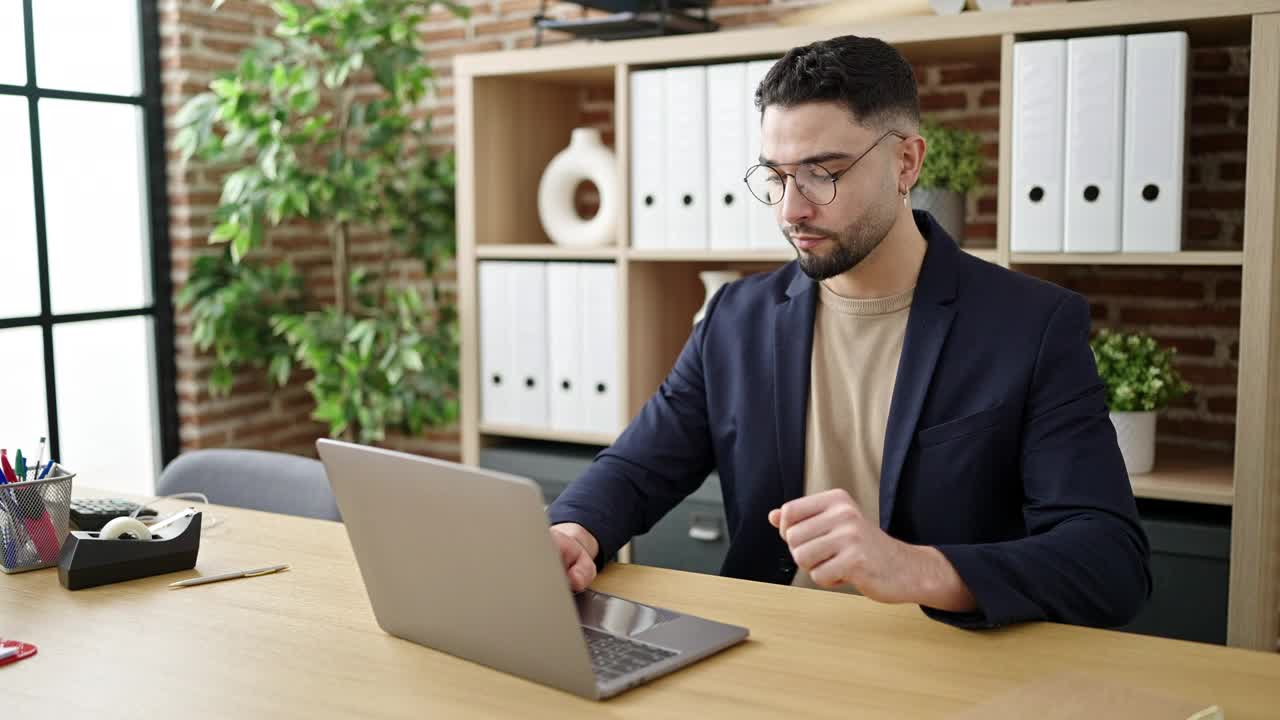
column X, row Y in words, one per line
column 867, row 75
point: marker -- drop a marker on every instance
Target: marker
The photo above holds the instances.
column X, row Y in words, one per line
column 9, row 474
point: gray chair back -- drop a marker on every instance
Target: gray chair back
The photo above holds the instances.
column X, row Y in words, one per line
column 255, row 479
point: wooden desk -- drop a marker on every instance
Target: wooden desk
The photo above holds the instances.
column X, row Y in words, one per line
column 304, row 644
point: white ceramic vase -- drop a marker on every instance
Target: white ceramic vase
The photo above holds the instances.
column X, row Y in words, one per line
column 1136, row 433
column 586, row 158
column 946, row 206
column 713, row 280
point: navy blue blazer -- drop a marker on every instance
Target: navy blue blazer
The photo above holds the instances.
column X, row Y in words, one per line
column 999, row 450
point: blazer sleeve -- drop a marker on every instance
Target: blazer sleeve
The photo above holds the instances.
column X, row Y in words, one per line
column 660, row 458
column 1086, row 558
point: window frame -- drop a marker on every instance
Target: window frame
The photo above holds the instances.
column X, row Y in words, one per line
column 160, row 309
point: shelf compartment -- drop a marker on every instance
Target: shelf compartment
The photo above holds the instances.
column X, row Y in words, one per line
column 1188, row 476
column 518, row 126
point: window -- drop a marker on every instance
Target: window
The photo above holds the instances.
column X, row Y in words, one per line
column 86, row 339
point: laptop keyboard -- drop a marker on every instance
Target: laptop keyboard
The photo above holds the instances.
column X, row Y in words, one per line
column 613, row 656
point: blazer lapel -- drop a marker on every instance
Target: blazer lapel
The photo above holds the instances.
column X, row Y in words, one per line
column 792, row 350
column 928, row 323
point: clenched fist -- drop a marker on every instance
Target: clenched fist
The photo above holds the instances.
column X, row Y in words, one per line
column 833, row 541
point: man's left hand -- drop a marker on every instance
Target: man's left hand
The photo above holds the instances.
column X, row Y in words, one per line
column 833, row 541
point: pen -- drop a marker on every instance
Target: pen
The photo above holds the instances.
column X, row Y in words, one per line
column 47, row 468
column 20, row 465
column 40, row 456
column 228, row 576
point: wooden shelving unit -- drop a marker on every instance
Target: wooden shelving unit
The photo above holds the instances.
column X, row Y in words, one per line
column 515, row 111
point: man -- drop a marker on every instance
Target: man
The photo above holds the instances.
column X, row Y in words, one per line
column 887, row 413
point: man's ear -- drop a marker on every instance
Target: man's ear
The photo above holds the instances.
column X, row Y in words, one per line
column 910, row 158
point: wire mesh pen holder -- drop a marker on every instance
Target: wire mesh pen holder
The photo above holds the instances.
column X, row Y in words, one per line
column 33, row 520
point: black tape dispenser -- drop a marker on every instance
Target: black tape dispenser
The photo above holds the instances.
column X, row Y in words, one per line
column 125, row 549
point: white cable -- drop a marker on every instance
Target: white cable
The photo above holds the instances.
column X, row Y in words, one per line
column 211, row 522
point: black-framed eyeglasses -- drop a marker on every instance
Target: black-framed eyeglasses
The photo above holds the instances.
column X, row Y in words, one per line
column 815, row 182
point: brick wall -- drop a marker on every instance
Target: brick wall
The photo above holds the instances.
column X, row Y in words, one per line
column 195, row 43
column 1196, row 309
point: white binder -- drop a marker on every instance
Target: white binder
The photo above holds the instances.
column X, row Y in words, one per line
column 1095, row 134
column 648, row 158
column 497, row 404
column 762, row 227
column 600, row 347
column 1154, row 141
column 565, row 350
column 685, row 179
column 527, row 313
column 726, row 148
column 1039, row 126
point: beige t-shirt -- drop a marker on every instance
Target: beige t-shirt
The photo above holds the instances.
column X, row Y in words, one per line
column 856, row 347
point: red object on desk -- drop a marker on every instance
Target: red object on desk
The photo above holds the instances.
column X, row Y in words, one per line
column 25, row 650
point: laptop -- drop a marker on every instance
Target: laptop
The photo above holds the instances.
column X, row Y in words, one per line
column 459, row 559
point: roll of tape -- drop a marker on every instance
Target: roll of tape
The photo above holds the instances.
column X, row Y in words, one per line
column 124, row 526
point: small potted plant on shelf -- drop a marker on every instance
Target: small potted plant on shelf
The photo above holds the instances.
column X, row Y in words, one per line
column 1140, row 380
column 952, row 161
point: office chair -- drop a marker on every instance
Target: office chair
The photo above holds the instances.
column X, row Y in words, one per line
column 254, row 479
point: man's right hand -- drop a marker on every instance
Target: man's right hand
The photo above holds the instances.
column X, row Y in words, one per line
column 578, row 548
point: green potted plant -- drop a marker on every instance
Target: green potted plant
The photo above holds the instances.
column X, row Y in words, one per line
column 323, row 127
column 1140, row 381
column 952, row 161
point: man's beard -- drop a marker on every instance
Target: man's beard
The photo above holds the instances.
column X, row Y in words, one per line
column 850, row 246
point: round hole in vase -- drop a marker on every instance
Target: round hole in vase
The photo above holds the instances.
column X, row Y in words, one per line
column 586, row 159
column 586, row 200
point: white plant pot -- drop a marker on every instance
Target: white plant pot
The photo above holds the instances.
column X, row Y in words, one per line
column 1136, row 433
column 713, row 280
column 586, row 158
